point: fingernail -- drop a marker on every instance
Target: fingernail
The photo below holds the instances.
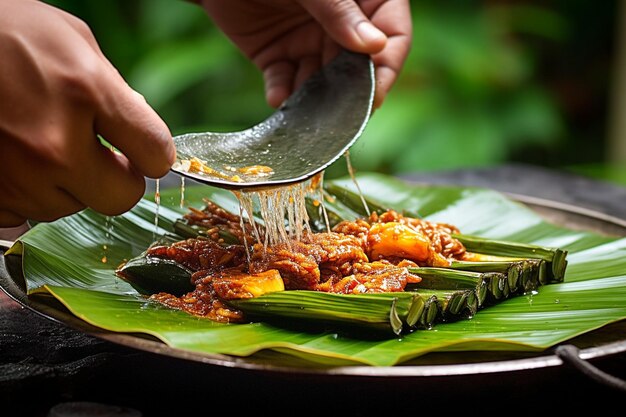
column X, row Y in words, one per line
column 370, row 33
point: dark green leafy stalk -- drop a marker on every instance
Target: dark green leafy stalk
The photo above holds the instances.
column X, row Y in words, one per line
column 452, row 279
column 499, row 288
column 386, row 311
column 543, row 275
column 416, row 312
column 555, row 257
column 430, row 313
column 523, row 275
column 394, row 318
column 353, row 200
column 472, row 303
column 533, row 275
column 316, row 216
column 187, row 230
column 422, row 312
column 512, row 269
column 453, row 304
column 149, row 275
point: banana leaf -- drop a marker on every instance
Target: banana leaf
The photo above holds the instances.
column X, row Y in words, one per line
column 73, row 260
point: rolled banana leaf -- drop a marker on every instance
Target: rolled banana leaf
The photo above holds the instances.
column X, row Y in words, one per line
column 382, row 312
column 523, row 275
column 487, row 286
column 555, row 258
column 453, row 304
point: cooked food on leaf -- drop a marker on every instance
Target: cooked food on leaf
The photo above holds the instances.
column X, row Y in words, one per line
column 386, row 270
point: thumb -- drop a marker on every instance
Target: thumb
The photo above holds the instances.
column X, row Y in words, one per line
column 346, row 23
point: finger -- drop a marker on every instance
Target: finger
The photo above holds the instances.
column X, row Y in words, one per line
column 307, row 66
column 47, row 203
column 126, row 120
column 10, row 219
column 31, row 189
column 279, row 80
column 388, row 66
column 73, row 170
column 330, row 50
column 346, row 23
column 109, row 184
column 54, row 203
column 393, row 18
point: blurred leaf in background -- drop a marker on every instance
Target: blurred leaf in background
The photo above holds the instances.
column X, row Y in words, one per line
column 468, row 95
column 486, row 82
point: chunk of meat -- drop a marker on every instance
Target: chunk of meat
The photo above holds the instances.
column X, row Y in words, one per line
column 199, row 254
column 439, row 234
column 372, row 277
column 300, row 262
column 202, row 302
column 397, row 241
column 214, row 218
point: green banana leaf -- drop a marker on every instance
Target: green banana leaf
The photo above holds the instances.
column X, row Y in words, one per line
column 73, row 259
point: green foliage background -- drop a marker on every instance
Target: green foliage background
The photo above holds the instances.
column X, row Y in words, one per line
column 486, row 82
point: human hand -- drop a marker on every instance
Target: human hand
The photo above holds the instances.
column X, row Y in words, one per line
column 291, row 39
column 57, row 93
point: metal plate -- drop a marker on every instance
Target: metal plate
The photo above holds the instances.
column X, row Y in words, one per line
column 601, row 343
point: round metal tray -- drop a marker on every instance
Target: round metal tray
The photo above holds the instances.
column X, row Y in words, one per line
column 606, row 342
